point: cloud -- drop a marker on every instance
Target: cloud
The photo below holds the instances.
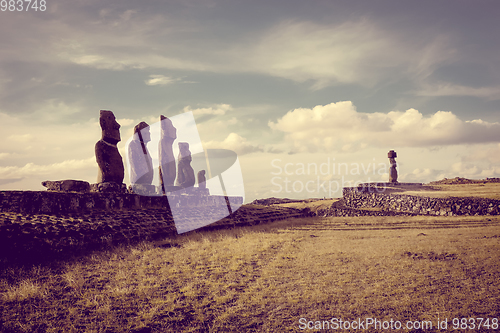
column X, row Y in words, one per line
column 21, row 138
column 488, row 153
column 449, row 89
column 37, row 170
column 219, row 110
column 9, row 181
column 356, row 50
column 340, row 127
column 235, row 143
column 160, row 80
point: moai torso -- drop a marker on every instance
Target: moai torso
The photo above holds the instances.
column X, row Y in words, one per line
column 141, row 163
column 201, row 179
column 109, row 160
column 166, row 154
column 393, row 172
column 185, row 173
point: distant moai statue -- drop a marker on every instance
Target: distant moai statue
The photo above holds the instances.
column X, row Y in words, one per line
column 108, row 157
column 185, row 173
column 393, row 173
column 201, row 179
column 166, row 154
column 141, row 163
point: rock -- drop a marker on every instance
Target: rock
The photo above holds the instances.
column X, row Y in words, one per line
column 142, row 189
column 68, row 185
column 108, row 187
column 108, row 157
column 201, row 179
column 185, row 173
column 141, row 163
column 166, row 154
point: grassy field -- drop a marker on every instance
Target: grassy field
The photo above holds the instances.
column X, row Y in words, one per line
column 486, row 190
column 281, row 277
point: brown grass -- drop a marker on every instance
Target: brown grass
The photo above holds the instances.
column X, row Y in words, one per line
column 486, row 190
column 313, row 205
column 266, row 278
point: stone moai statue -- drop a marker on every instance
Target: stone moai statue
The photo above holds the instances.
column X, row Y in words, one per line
column 108, row 157
column 166, row 154
column 201, row 179
column 393, row 173
column 185, row 173
column 141, row 163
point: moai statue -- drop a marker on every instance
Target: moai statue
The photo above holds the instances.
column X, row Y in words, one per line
column 393, row 173
column 201, row 179
column 166, row 154
column 141, row 163
column 108, row 157
column 185, row 173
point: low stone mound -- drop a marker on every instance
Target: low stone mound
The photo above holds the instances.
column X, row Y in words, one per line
column 461, row 180
column 273, row 201
column 340, row 209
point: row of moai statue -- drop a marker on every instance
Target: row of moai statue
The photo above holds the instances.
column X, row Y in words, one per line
column 110, row 163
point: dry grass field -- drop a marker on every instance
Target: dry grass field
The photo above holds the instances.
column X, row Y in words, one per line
column 488, row 190
column 286, row 276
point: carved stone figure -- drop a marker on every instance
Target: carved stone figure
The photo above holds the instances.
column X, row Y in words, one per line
column 201, row 179
column 108, row 157
column 141, row 163
column 393, row 173
column 166, row 154
column 185, row 173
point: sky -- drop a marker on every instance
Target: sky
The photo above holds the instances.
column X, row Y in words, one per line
column 311, row 95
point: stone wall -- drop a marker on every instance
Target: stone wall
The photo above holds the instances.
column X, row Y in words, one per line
column 38, row 224
column 47, row 202
column 359, row 198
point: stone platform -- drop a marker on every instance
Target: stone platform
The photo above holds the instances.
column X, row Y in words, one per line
column 52, row 203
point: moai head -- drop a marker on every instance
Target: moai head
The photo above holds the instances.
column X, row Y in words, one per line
column 184, row 152
column 141, row 132
column 110, row 128
column 167, row 128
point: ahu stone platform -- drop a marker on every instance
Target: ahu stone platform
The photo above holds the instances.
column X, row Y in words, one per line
column 379, row 199
column 37, row 224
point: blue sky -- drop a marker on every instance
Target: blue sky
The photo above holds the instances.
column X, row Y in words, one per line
column 279, row 82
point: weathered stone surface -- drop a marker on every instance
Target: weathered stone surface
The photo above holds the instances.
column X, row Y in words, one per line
column 68, row 185
column 141, row 163
column 201, row 179
column 167, row 166
column 363, row 198
column 108, row 157
column 143, row 189
column 185, row 173
column 49, row 202
column 108, row 187
column 40, row 222
column 393, row 172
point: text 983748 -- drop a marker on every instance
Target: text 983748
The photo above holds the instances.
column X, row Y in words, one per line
column 23, row 5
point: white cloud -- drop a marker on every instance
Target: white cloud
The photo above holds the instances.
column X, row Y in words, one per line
column 235, row 143
column 340, row 127
column 21, row 138
column 449, row 89
column 127, row 122
column 160, row 80
column 219, row 109
column 354, row 51
column 36, row 170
